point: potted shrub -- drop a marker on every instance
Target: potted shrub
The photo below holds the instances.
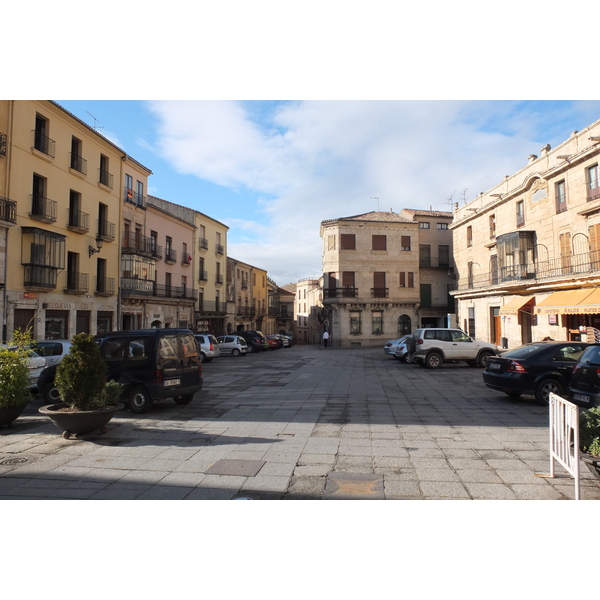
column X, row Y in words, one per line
column 88, row 401
column 589, row 438
column 14, row 378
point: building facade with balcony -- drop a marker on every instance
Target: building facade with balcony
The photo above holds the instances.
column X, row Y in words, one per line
column 62, row 177
column 173, row 300
column 241, row 313
column 526, row 251
column 210, row 267
column 379, row 270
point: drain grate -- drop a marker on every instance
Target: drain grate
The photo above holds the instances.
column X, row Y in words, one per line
column 17, row 460
column 354, row 486
column 241, row 468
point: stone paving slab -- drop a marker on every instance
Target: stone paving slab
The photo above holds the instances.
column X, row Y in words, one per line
column 313, row 419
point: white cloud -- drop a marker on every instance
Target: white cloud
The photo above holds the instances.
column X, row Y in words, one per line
column 318, row 160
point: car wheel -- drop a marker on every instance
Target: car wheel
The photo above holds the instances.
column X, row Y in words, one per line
column 433, row 360
column 545, row 387
column 483, row 359
column 235, row 352
column 408, row 358
column 251, row 348
column 139, row 400
column 50, row 393
column 185, row 399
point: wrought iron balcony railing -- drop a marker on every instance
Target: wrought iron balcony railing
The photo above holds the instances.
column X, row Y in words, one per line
column 43, row 143
column 219, row 249
column 134, row 198
column 37, row 276
column 203, row 244
column 76, row 283
column 105, row 286
column 136, row 243
column 340, row 292
column 572, row 266
column 106, row 230
column 78, row 163
column 203, row 276
column 211, row 306
column 380, row 292
column 105, row 178
column 78, row 221
column 593, row 191
column 8, row 210
column 131, row 286
column 170, row 255
column 43, row 209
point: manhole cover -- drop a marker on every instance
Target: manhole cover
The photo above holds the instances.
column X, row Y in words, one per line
column 17, row 460
column 242, row 468
column 354, row 486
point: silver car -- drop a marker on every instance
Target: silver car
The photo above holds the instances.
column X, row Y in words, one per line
column 209, row 347
column 52, row 350
column 35, row 365
column 233, row 345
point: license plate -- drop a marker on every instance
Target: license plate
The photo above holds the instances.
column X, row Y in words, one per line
column 172, row 382
column 494, row 366
column 581, row 397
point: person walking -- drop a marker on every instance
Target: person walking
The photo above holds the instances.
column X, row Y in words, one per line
column 325, row 338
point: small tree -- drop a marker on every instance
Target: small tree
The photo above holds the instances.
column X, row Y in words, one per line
column 81, row 375
column 589, row 431
column 14, row 372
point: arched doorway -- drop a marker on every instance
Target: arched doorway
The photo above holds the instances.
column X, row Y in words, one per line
column 155, row 325
column 404, row 325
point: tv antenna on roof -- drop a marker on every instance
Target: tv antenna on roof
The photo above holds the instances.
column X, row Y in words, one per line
column 95, row 121
column 375, row 198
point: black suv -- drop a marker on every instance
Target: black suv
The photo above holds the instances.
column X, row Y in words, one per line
column 152, row 364
column 255, row 339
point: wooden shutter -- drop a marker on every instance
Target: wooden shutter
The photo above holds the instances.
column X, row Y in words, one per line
column 348, row 241
column 379, row 242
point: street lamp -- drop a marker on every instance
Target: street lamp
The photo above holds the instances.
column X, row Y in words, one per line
column 99, row 243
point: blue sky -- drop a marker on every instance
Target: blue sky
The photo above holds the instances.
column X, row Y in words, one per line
column 272, row 171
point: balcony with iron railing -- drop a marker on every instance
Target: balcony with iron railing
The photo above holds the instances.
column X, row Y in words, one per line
column 203, row 276
column 134, row 198
column 78, row 221
column 380, row 292
column 218, row 279
column 173, row 291
column 40, row 277
column 186, row 259
column 106, row 231
column 340, row 293
column 593, row 191
column 203, row 244
column 170, row 256
column 105, row 178
column 219, row 249
column 79, row 164
column 576, row 266
column 136, row 243
column 43, row 209
column 42, row 143
column 132, row 286
column 76, row 283
column 105, row 286
column 8, row 211
column 212, row 306
column 246, row 311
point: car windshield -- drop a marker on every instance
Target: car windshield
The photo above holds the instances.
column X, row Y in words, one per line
column 591, row 355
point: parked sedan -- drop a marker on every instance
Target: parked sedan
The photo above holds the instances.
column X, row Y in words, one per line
column 274, row 342
column 391, row 345
column 405, row 349
column 537, row 368
column 233, row 345
column 584, row 389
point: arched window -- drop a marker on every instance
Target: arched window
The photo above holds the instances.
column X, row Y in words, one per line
column 404, row 325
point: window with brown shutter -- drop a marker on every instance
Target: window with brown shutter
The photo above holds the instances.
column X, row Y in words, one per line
column 594, row 232
column 348, row 241
column 565, row 252
column 379, row 289
column 411, row 280
column 402, row 279
column 379, row 242
column 405, row 243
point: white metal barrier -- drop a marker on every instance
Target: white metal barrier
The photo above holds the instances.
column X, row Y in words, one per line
column 564, row 438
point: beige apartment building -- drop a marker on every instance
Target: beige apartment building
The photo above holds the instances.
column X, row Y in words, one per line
column 385, row 274
column 211, row 267
column 310, row 322
column 61, row 185
column 527, row 250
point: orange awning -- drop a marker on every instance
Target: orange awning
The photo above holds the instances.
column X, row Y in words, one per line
column 567, row 302
column 512, row 307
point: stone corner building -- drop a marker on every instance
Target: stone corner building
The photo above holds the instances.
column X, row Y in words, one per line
column 527, row 251
column 384, row 274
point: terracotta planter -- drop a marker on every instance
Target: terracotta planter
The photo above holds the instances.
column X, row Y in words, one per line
column 78, row 422
column 593, row 463
column 10, row 413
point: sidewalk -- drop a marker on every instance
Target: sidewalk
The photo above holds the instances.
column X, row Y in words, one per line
column 300, row 423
